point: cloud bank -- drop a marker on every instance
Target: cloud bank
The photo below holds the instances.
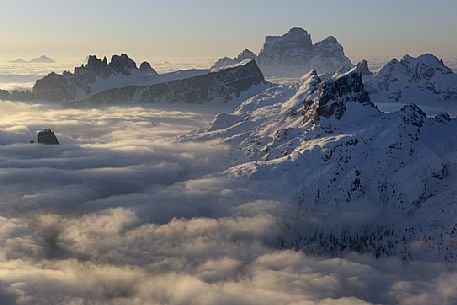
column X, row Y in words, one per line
column 122, row 213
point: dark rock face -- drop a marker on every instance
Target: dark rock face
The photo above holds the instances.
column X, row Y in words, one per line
column 364, row 69
column 221, row 85
column 413, row 115
column 47, row 136
column 145, row 67
column 122, row 64
column 443, row 117
column 62, row 88
column 55, row 88
column 292, row 48
column 334, row 94
column 15, row 95
column 226, row 61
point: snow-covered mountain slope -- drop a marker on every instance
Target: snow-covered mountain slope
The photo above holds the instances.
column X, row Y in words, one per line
column 227, row 85
column 98, row 75
column 293, row 55
column 424, row 80
column 364, row 180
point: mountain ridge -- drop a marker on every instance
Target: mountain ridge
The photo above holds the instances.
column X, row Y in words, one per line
column 324, row 146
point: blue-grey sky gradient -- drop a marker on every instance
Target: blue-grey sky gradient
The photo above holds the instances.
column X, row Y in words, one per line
column 213, row 28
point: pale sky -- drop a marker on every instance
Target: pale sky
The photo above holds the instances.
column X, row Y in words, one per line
column 71, row 29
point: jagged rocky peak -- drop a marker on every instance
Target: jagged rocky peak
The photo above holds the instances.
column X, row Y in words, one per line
column 146, row 67
column 294, row 54
column 246, row 54
column 95, row 76
column 333, row 96
column 94, row 65
column 223, row 85
column 425, row 65
column 364, row 69
column 122, row 64
column 227, row 61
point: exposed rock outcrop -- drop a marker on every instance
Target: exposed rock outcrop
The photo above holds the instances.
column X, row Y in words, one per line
column 293, row 55
column 334, row 94
column 226, row 61
column 47, row 136
column 97, row 75
column 364, row 69
column 223, row 85
column 145, row 67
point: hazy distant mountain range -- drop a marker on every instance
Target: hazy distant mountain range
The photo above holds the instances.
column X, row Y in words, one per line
column 43, row 59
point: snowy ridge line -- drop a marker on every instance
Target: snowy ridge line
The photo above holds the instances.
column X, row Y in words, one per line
column 363, row 180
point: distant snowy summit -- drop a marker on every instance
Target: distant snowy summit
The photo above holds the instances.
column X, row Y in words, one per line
column 43, row 59
column 294, row 54
column 424, row 80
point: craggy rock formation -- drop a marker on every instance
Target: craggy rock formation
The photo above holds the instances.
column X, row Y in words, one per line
column 364, row 69
column 145, row 67
column 47, row 136
column 334, row 94
column 226, row 61
column 294, row 54
column 223, row 85
column 97, row 75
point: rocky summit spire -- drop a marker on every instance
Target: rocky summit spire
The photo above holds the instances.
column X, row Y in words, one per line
column 334, row 95
column 145, row 67
column 83, row 82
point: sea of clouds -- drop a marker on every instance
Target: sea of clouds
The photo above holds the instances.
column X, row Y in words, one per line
column 123, row 213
